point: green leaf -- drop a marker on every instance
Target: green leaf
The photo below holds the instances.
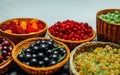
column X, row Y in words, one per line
column 21, row 51
column 58, row 48
column 61, row 58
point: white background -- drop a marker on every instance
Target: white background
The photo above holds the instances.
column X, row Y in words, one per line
column 52, row 11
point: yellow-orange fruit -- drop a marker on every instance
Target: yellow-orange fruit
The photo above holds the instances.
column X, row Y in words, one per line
column 23, row 25
column 34, row 26
column 16, row 21
column 34, row 20
column 8, row 31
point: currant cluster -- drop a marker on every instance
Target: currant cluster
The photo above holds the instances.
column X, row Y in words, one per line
column 71, row 30
column 5, row 49
column 42, row 53
column 111, row 17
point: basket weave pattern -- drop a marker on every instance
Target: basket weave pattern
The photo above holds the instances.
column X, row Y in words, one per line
column 16, row 38
column 38, row 70
column 69, row 43
column 4, row 66
column 106, row 31
column 84, row 48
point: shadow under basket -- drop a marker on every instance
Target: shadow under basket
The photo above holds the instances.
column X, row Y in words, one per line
column 105, row 30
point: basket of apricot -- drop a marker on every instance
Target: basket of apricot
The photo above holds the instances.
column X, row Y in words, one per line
column 71, row 32
column 41, row 56
column 108, row 25
column 95, row 58
column 6, row 46
column 18, row 29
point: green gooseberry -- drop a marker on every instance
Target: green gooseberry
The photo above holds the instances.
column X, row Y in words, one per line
column 108, row 13
column 116, row 16
column 116, row 21
column 112, row 14
column 119, row 22
column 106, row 16
column 113, row 22
column 111, row 18
column 108, row 20
column 116, row 12
column 119, row 15
column 104, row 19
column 101, row 16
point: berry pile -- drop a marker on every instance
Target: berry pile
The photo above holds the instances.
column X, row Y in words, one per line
column 5, row 49
column 71, row 30
column 42, row 53
column 113, row 17
column 21, row 26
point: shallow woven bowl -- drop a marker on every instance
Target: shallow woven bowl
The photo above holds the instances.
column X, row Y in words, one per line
column 105, row 30
column 4, row 66
column 38, row 70
column 16, row 38
column 69, row 43
column 83, row 48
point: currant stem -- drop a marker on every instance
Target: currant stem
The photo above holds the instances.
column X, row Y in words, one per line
column 57, row 48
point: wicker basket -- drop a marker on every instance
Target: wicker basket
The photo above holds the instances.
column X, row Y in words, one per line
column 16, row 38
column 4, row 66
column 69, row 43
column 86, row 47
column 105, row 30
column 36, row 70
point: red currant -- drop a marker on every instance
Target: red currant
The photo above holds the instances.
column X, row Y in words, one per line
column 1, row 57
column 74, row 29
column 67, row 27
column 71, row 30
column 78, row 32
column 60, row 34
column 65, row 37
column 90, row 35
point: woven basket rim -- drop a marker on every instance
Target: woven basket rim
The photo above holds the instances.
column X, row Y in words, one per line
column 9, row 60
column 38, row 68
column 112, row 9
column 45, row 28
column 72, row 68
column 69, row 41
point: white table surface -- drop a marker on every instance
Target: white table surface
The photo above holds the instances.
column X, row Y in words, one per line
column 52, row 11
